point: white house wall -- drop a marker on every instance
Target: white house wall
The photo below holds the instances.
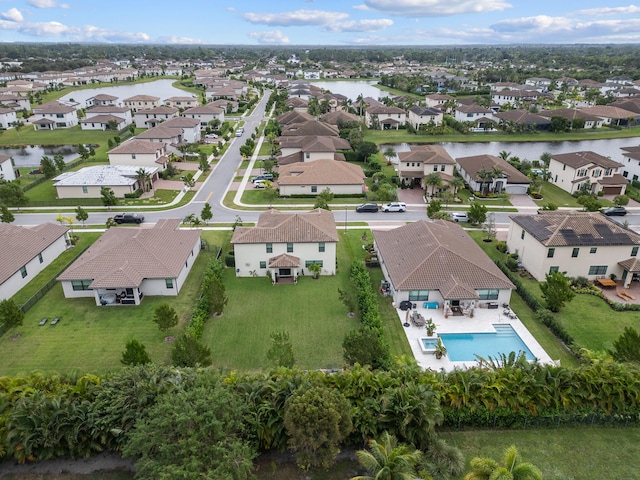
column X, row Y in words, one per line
column 141, row 159
column 14, row 283
column 93, row 191
column 287, row 190
column 6, row 170
column 249, row 256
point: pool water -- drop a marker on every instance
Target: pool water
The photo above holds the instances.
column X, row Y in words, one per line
column 428, row 344
column 463, row 347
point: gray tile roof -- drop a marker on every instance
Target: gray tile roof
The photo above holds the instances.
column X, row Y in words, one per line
column 21, row 244
column 584, row 158
column 283, row 227
column 437, row 255
column 123, row 257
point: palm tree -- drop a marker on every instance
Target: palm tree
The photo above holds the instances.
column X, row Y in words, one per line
column 496, row 172
column 457, row 183
column 389, row 153
column 512, row 468
column 484, row 176
column 387, row 460
column 504, row 155
column 433, row 180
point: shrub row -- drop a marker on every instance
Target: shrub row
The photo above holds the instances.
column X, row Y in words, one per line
column 135, row 194
column 202, row 308
column 367, row 301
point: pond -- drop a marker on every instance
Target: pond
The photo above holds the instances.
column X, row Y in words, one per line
column 30, row 155
column 353, row 88
column 159, row 88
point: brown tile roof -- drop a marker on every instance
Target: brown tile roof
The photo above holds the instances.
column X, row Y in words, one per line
column 569, row 114
column 311, row 127
column 203, row 110
column 138, row 146
column 142, row 98
column 524, row 117
column 321, row 172
column 283, row 227
column 338, row 117
column 615, row 179
column 631, row 152
column 158, row 111
column 52, row 107
column 294, row 116
column 123, row 257
column 384, row 110
column 21, row 244
column 582, row 159
column 314, row 143
column 607, row 111
column 437, row 255
column 427, row 154
column 283, row 261
column 472, row 165
column 561, row 229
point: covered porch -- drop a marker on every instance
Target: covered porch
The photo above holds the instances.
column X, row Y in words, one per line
column 284, row 268
column 118, row 296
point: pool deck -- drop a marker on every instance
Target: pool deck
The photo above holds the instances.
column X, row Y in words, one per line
column 482, row 321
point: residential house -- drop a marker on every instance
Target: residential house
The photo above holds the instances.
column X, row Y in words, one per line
column 631, row 162
column 423, row 116
column 588, row 171
column 437, row 100
column 126, row 264
column 299, row 104
column 522, row 120
column 26, row 251
column 8, row 118
column 474, row 113
column 310, row 128
column 294, row 116
column 284, row 245
column 205, row 114
column 422, row 160
column 54, row 115
column 582, row 244
column 611, row 115
column 519, row 98
column 182, row 102
column 338, row 118
column 574, row 116
column 491, row 173
column 381, row 117
column 102, row 100
column 437, row 262
column 311, row 178
column 141, row 102
column 309, row 148
column 15, row 102
column 7, row 171
column 152, row 117
column 88, row 181
column 107, row 117
column 140, row 152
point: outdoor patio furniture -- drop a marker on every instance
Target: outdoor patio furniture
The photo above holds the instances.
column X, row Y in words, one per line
column 606, row 282
column 43, row 321
column 55, row 321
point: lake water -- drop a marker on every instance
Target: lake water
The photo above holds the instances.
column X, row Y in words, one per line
column 533, row 150
column 353, row 88
column 159, row 88
column 30, row 155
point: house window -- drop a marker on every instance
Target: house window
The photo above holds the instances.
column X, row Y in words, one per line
column 435, row 168
column 553, row 270
column 488, row 294
column 522, row 235
column 598, row 270
column 634, row 252
column 61, row 124
column 575, row 252
column 168, row 282
column 23, row 271
column 418, row 295
column 313, row 262
column 78, row 285
column 564, row 167
column 269, row 248
column 307, row 155
column 442, row 167
column 551, row 252
column 314, row 189
column 289, row 247
column 321, row 247
column 593, row 250
column 263, row 264
column 85, row 189
column 607, row 172
column 59, row 115
column 133, row 156
column 635, row 177
column 40, row 258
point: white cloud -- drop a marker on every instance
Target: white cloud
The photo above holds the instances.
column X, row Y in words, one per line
column 539, row 23
column 360, row 25
column 297, row 18
column 436, row 8
column 47, row 4
column 175, row 40
column 273, row 37
column 360, row 7
column 13, row 14
column 610, row 11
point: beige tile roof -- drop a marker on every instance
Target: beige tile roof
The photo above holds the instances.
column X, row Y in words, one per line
column 312, row 127
column 472, row 165
column 21, row 244
column 321, row 172
column 123, row 257
column 339, row 116
column 607, row 111
column 203, row 110
column 162, row 110
column 142, row 98
column 437, row 255
column 427, row 154
column 575, row 229
column 138, row 146
column 284, row 260
column 52, row 107
column 294, row 116
column 283, row 227
column 314, row 143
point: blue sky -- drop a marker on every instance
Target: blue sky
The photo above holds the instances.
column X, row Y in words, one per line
column 320, row 22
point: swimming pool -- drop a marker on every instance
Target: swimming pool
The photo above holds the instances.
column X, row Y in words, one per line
column 462, row 347
column 428, row 345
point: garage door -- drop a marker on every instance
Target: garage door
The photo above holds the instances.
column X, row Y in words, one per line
column 611, row 190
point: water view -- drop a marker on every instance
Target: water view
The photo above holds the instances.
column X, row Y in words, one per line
column 353, row 89
column 160, row 88
column 30, row 155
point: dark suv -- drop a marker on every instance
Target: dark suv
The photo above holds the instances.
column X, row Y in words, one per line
column 128, row 218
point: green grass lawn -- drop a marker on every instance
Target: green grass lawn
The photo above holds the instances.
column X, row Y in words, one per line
column 553, row 194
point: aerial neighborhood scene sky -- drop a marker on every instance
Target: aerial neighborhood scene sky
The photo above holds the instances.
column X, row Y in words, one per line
column 321, row 22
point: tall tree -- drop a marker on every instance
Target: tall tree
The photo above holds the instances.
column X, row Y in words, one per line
column 456, row 182
column 434, row 181
column 5, row 214
column 12, row 195
column 388, row 460
column 48, row 167
column 81, row 214
column 58, row 159
column 627, row 346
column 477, row 213
column 556, row 290
column 11, row 315
column 323, row 199
column 206, row 214
column 165, row 316
column 109, row 198
column 188, row 351
column 389, row 153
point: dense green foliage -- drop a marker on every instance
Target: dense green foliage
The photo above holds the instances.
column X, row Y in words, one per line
column 135, row 353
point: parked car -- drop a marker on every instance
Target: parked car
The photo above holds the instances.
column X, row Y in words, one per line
column 367, row 207
column 459, row 216
column 615, row 211
column 128, row 218
column 211, row 135
column 394, row 207
column 260, row 183
column 264, row 176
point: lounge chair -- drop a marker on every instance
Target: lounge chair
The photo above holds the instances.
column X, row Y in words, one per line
column 55, row 321
column 43, row 321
